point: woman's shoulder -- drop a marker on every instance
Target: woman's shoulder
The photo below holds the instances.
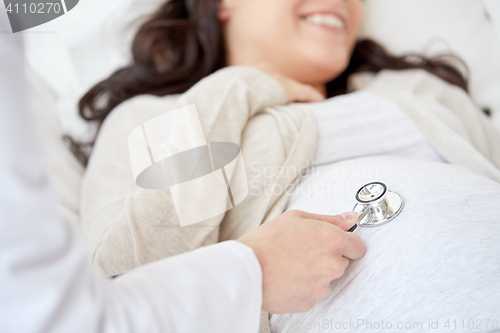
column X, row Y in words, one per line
column 138, row 109
column 413, row 79
column 126, row 117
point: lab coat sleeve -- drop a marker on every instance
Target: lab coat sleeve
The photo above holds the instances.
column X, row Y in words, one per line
column 217, row 288
column 46, row 281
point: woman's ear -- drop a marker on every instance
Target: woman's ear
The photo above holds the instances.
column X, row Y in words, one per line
column 224, row 11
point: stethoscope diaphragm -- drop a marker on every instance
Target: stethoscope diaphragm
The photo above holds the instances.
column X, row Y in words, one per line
column 376, row 205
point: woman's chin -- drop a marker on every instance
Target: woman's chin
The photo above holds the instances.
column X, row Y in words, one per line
column 324, row 72
column 328, row 64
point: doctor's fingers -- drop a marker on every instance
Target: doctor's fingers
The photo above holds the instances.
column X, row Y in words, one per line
column 345, row 262
column 340, row 241
column 344, row 221
column 338, row 270
column 353, row 247
column 343, row 243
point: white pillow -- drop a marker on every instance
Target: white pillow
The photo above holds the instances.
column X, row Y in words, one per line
column 463, row 27
column 64, row 171
column 82, row 47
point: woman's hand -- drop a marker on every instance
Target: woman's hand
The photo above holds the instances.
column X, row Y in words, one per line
column 295, row 91
column 300, row 254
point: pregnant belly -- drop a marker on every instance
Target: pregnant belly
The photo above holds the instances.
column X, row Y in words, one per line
column 438, row 260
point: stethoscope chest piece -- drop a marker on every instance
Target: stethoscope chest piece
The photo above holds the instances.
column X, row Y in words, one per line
column 377, row 205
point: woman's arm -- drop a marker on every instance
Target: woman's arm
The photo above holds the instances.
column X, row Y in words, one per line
column 129, row 226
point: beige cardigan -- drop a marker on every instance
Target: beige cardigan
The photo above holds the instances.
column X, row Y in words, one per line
column 128, row 226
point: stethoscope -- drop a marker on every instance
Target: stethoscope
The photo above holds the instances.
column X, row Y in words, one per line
column 376, row 205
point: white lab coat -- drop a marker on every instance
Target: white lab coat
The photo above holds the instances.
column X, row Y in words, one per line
column 46, row 281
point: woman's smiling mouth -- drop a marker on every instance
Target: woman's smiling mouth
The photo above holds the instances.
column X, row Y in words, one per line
column 325, row 20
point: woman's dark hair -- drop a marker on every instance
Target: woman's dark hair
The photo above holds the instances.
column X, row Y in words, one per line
column 182, row 42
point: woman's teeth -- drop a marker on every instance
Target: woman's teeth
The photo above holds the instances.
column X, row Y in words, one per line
column 326, row 19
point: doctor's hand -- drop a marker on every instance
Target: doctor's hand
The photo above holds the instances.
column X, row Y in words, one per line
column 300, row 254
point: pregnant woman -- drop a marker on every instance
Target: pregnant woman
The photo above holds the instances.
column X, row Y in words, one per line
column 407, row 122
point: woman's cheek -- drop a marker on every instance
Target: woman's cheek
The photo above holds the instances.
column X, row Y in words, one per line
column 357, row 15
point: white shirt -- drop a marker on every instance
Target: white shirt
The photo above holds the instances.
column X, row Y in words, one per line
column 437, row 262
column 46, row 281
column 362, row 124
